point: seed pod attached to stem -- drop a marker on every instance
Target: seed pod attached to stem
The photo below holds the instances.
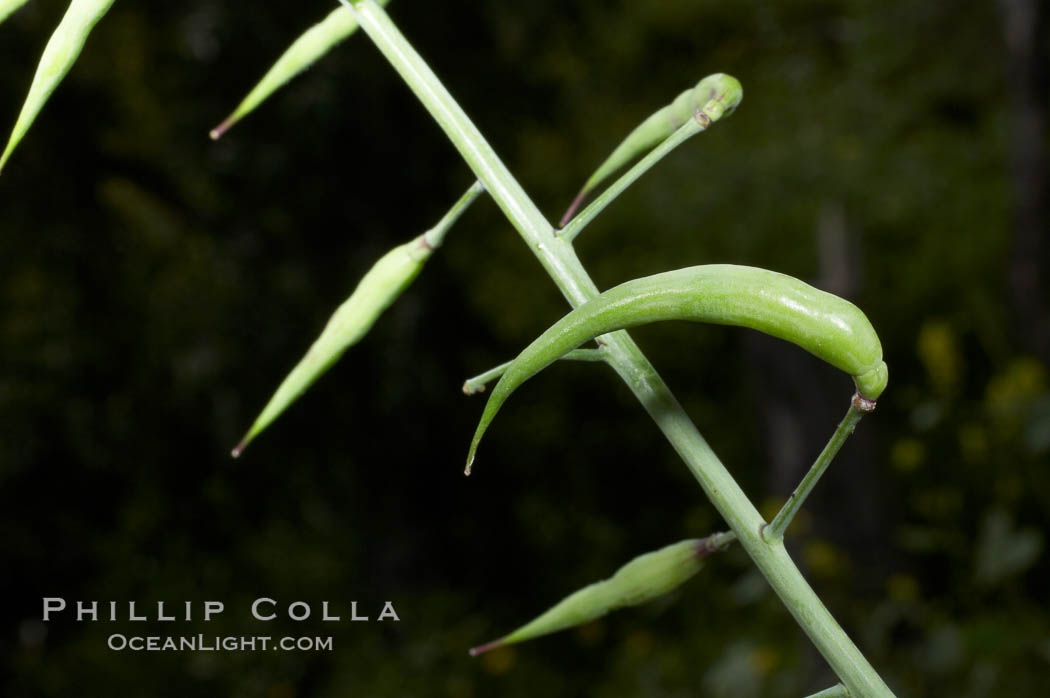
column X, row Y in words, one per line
column 314, row 43
column 641, row 580
column 380, row 287
column 9, row 6
column 59, row 55
column 352, row 320
column 713, row 98
column 825, row 325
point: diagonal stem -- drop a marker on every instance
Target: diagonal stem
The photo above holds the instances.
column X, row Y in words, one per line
column 436, row 235
column 557, row 256
column 689, row 129
column 478, row 382
column 859, row 407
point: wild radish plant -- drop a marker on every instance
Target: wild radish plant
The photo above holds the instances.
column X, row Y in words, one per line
column 827, row 326
column 823, row 324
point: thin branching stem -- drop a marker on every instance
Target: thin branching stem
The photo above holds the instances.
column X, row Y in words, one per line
column 478, row 382
column 838, row 691
column 685, row 132
column 558, row 258
column 436, row 235
column 775, row 530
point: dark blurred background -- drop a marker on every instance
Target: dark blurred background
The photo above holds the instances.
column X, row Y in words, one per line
column 156, row 286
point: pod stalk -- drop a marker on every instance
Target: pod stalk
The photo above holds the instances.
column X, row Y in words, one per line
column 859, row 406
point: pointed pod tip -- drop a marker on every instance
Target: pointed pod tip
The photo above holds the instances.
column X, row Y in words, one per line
column 470, row 460
column 216, row 133
column 572, row 208
column 482, row 649
column 239, row 449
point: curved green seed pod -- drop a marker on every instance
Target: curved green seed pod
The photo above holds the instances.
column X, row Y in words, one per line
column 643, row 579
column 825, row 325
column 304, row 51
column 59, row 55
column 380, row 287
column 9, row 6
column 713, row 98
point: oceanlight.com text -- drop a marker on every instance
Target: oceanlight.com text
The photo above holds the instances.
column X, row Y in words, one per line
column 217, row 643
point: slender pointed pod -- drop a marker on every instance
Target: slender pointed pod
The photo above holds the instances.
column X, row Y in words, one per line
column 9, row 6
column 352, row 320
column 825, row 325
column 713, row 98
column 314, row 43
column 59, row 55
column 641, row 580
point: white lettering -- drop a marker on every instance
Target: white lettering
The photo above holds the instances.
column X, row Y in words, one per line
column 212, row 608
column 259, row 602
column 53, row 604
column 305, row 611
column 83, row 610
column 388, row 611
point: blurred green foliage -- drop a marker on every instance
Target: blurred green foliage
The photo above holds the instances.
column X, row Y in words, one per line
column 155, row 286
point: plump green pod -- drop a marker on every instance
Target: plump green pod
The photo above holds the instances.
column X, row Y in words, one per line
column 9, row 6
column 715, row 97
column 825, row 325
column 380, row 287
column 59, row 55
column 641, row 580
column 310, row 46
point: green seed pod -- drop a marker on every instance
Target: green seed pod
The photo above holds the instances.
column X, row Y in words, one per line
column 825, row 325
column 380, row 287
column 641, row 580
column 310, row 46
column 713, row 98
column 9, row 6
column 59, row 55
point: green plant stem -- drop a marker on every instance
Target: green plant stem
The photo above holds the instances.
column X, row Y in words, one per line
column 775, row 530
column 684, row 133
column 9, row 6
column 477, row 383
column 557, row 256
column 436, row 235
column 838, row 691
